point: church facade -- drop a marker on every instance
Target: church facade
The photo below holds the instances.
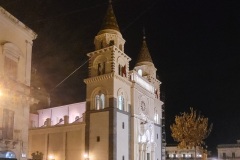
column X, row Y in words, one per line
column 16, row 41
column 122, row 113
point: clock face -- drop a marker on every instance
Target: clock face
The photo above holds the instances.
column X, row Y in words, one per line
column 143, row 108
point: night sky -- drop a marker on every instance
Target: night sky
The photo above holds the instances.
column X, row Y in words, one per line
column 195, row 45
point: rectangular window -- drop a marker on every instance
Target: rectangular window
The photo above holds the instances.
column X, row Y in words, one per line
column 148, row 156
column 122, row 125
column 8, row 123
column 157, row 136
column 233, row 155
column 123, row 157
column 98, row 138
column 10, row 67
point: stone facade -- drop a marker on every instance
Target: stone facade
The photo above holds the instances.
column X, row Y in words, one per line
column 123, row 113
column 229, row 151
column 16, row 42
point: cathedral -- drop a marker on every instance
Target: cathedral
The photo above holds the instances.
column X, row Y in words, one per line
column 121, row 118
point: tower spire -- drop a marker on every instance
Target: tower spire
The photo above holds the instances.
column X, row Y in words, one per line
column 144, row 36
column 109, row 21
column 144, row 55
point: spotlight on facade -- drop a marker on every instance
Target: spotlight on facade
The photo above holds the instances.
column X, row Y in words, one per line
column 1, row 93
column 51, row 157
column 86, row 157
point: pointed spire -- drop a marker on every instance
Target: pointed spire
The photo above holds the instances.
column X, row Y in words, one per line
column 110, row 22
column 144, row 55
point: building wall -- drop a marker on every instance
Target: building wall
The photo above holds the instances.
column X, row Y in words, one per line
column 123, row 136
column 146, row 130
column 16, row 42
column 158, row 140
column 229, row 151
column 99, row 136
column 56, row 114
column 60, row 142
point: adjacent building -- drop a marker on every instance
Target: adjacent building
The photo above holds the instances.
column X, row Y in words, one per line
column 16, row 41
column 229, row 151
column 175, row 153
column 122, row 112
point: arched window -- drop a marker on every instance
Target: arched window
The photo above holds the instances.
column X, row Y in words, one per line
column 122, row 68
column 111, row 43
column 121, row 102
column 99, row 101
column 102, row 100
column 121, row 47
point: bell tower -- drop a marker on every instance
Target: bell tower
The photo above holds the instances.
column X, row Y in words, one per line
column 146, row 111
column 108, row 95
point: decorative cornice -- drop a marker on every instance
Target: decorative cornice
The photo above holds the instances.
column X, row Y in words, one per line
column 17, row 22
column 153, row 79
column 107, row 76
column 100, row 51
column 99, row 78
column 110, row 48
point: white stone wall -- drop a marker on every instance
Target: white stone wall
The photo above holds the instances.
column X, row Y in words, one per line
column 99, row 127
column 158, row 140
column 123, row 138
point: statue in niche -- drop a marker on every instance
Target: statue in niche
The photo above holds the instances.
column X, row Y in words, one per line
column 101, row 68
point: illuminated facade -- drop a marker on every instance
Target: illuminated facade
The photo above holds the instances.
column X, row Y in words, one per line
column 16, row 42
column 123, row 110
column 175, row 153
column 229, row 151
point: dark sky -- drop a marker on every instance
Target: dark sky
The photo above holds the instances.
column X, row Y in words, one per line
column 194, row 44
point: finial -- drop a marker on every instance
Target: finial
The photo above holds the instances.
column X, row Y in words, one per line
column 144, row 36
column 110, row 1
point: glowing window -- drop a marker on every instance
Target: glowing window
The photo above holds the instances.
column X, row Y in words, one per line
column 121, row 102
column 99, row 101
column 140, row 72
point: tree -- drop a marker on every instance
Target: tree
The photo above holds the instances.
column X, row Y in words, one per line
column 190, row 130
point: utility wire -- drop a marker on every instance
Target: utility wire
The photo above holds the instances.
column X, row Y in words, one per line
column 69, row 75
column 68, row 13
column 139, row 16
